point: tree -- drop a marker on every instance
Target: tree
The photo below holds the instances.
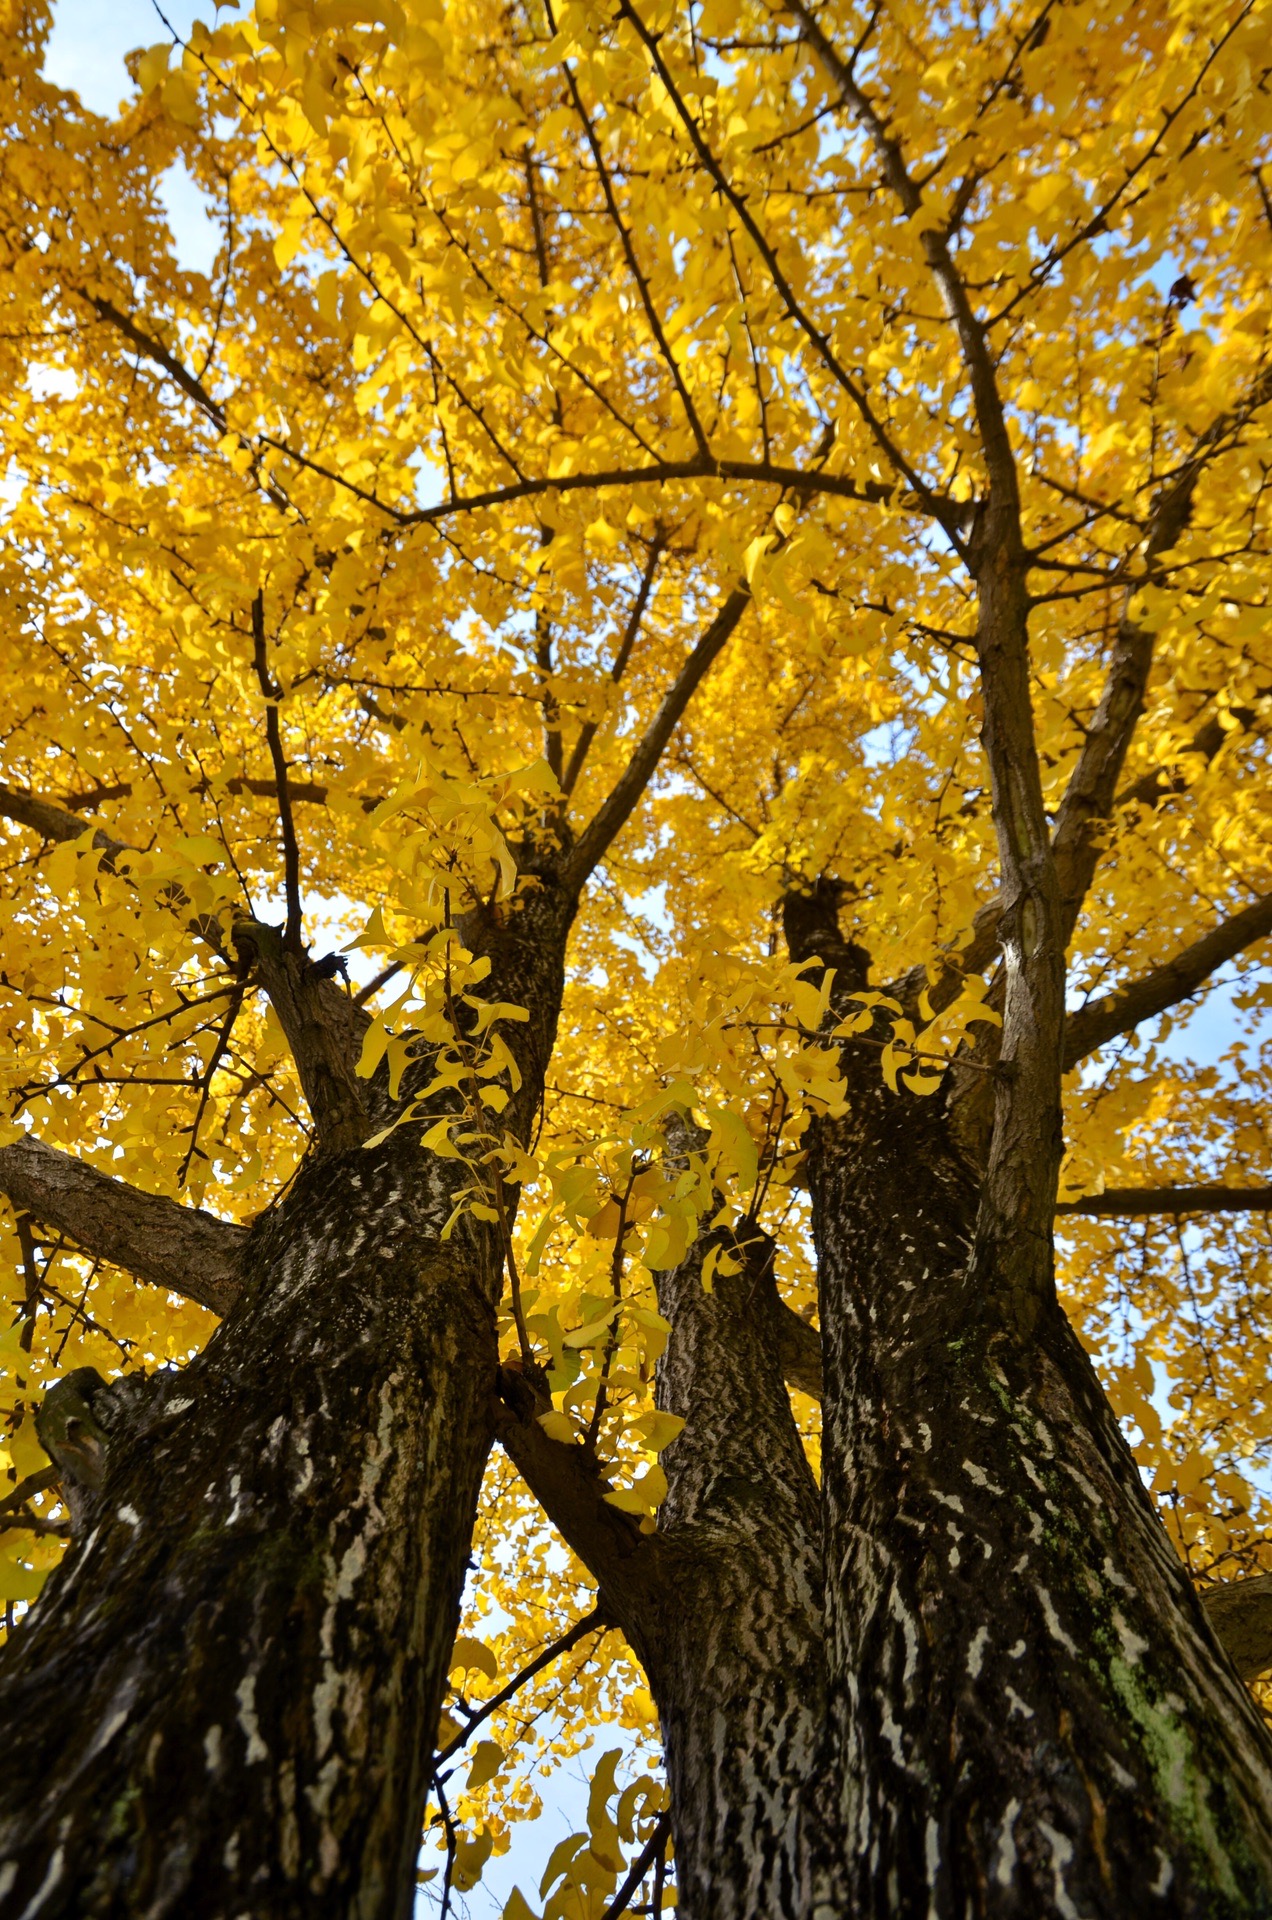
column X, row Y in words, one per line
column 713, row 557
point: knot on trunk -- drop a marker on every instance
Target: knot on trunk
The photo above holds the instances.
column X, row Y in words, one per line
column 83, row 1424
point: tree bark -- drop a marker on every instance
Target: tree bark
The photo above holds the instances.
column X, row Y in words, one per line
column 224, row 1701
column 737, row 1667
column 1031, row 1712
column 722, row 1604
column 221, row 1702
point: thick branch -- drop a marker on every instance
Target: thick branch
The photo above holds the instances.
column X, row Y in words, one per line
column 1102, row 1020
column 911, row 497
column 1158, row 782
column 799, row 1353
column 599, row 834
column 1241, row 1615
column 566, row 1480
column 56, row 823
column 1124, row 1202
column 324, row 1029
column 183, row 1249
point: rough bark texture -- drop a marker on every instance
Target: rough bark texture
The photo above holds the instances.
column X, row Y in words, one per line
column 723, row 1603
column 223, row 1702
column 1241, row 1615
column 218, row 1704
column 1031, row 1713
column 737, row 1668
column 181, row 1248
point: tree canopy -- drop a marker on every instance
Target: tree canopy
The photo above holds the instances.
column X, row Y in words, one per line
column 585, row 449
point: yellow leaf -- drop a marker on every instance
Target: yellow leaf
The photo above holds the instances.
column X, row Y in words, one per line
column 470, row 1654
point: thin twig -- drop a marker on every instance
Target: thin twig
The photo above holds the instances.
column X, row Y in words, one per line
column 595, row 1621
column 656, row 1842
column 273, row 693
column 218, row 1052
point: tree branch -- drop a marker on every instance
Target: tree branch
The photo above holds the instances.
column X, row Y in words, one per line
column 991, row 418
column 587, row 733
column 1113, row 1013
column 1240, row 1613
column 799, row 1352
column 155, row 350
column 323, row 1026
column 599, row 834
column 1130, row 1202
column 593, row 1622
column 1089, row 797
column 55, row 823
column 627, row 1565
column 183, row 1249
column 1158, row 782
column 272, row 694
column 324, row 1029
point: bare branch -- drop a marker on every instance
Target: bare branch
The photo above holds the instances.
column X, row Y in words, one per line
column 272, row 694
column 184, row 1249
column 594, row 1622
column 627, row 1565
column 1102, row 1020
column 599, row 834
column 1131, row 1202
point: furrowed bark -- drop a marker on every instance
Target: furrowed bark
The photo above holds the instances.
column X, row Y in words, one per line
column 737, row 1671
column 185, row 1249
column 267, row 1572
column 1032, row 1713
column 723, row 1603
column 218, row 1704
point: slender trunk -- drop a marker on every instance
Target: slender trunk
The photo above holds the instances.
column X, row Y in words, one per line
column 1031, row 1713
column 736, row 1662
column 224, row 1701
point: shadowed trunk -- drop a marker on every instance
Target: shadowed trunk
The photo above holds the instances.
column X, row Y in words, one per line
column 223, row 1702
column 219, row 1704
column 737, row 1668
column 1030, row 1710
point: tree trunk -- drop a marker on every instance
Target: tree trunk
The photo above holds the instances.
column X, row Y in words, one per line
column 1031, row 1713
column 736, row 1666
column 225, row 1700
